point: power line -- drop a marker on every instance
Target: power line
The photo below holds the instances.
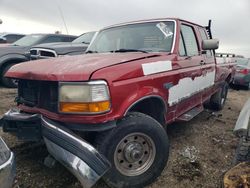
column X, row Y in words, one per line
column 62, row 16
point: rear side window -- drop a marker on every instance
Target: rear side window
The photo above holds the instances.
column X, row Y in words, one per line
column 68, row 39
column 182, row 51
column 190, row 41
column 51, row 39
column 10, row 38
column 204, row 36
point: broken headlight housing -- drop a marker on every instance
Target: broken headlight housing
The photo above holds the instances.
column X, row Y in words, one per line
column 84, row 97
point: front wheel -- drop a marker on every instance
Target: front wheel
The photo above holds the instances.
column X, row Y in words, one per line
column 8, row 82
column 138, row 150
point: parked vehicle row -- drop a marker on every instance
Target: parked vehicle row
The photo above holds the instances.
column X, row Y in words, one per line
column 102, row 114
column 242, row 75
column 17, row 52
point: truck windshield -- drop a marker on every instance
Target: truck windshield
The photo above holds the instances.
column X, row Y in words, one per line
column 28, row 40
column 84, row 38
column 147, row 37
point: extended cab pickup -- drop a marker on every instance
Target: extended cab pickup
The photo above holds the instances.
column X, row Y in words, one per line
column 103, row 114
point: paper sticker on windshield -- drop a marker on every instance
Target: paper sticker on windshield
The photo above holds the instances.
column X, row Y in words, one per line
column 165, row 29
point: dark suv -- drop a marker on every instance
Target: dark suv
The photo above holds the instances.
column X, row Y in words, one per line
column 77, row 46
column 17, row 52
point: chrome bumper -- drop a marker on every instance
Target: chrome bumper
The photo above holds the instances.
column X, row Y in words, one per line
column 7, row 166
column 242, row 127
column 78, row 156
column 74, row 153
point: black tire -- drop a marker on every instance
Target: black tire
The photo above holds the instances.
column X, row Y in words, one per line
column 243, row 151
column 134, row 123
column 217, row 100
column 247, row 87
column 8, row 82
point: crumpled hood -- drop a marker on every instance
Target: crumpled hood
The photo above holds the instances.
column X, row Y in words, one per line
column 62, row 48
column 71, row 68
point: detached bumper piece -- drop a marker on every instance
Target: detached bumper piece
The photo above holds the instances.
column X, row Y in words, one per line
column 242, row 127
column 78, row 156
column 7, row 166
column 74, row 153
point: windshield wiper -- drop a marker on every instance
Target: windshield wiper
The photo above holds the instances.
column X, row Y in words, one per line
column 128, row 50
column 91, row 52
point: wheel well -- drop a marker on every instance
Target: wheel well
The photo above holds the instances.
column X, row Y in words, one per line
column 8, row 62
column 152, row 106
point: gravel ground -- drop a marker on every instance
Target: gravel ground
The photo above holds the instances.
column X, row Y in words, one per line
column 201, row 150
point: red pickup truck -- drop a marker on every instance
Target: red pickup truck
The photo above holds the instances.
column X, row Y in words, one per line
column 102, row 114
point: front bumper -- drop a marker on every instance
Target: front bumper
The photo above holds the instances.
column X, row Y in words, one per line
column 7, row 166
column 77, row 155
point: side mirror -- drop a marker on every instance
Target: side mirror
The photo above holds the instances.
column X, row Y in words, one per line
column 3, row 40
column 210, row 44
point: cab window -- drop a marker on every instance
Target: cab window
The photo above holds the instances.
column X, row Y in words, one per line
column 204, row 36
column 189, row 40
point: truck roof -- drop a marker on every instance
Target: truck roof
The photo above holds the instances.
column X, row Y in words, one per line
column 151, row 20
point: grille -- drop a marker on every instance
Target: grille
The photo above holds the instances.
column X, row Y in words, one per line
column 42, row 53
column 33, row 52
column 41, row 94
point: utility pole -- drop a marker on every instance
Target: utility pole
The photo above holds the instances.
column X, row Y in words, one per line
column 1, row 21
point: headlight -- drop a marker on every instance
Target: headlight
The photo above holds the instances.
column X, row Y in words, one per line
column 84, row 97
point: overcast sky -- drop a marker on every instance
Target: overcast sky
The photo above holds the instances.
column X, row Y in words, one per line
column 230, row 18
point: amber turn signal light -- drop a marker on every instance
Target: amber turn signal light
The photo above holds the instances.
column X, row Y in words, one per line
column 80, row 107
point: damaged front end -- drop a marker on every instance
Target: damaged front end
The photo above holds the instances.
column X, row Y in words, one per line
column 78, row 156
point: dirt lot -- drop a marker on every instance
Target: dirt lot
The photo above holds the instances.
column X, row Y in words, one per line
column 207, row 139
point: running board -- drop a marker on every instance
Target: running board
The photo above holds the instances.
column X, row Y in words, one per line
column 191, row 113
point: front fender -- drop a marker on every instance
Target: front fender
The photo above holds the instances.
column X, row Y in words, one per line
column 142, row 94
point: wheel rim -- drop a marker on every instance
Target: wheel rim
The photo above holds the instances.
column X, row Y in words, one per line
column 134, row 154
column 223, row 95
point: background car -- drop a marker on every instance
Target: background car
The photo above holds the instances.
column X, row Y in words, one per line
column 10, row 37
column 242, row 75
column 17, row 52
column 77, row 46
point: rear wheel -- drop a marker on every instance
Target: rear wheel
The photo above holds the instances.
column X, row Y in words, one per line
column 217, row 100
column 8, row 82
column 137, row 149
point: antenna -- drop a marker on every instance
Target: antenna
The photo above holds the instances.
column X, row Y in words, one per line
column 62, row 16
